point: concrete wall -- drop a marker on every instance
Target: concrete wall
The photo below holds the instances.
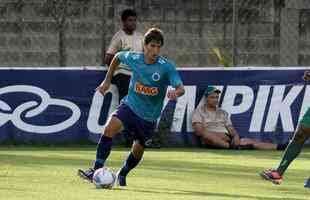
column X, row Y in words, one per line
column 29, row 35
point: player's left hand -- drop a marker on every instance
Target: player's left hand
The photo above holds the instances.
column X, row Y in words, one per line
column 103, row 87
column 172, row 95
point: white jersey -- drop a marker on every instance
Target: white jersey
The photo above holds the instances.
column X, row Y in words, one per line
column 214, row 121
column 124, row 42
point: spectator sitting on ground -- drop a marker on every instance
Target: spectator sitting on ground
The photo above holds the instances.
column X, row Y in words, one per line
column 213, row 125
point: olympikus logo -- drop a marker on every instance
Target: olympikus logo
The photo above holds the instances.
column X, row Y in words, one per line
column 32, row 109
column 142, row 89
column 266, row 106
column 261, row 109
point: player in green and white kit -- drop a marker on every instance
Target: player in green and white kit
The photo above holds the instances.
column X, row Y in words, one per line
column 293, row 149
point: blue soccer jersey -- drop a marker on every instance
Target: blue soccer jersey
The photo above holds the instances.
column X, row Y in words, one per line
column 148, row 83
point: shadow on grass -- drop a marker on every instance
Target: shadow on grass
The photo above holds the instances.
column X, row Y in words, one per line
column 13, row 189
column 169, row 191
column 28, row 160
column 164, row 168
column 184, row 166
column 257, row 153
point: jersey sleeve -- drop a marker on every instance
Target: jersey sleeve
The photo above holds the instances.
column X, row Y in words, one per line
column 115, row 45
column 124, row 57
column 173, row 76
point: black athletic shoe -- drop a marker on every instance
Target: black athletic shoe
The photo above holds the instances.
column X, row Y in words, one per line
column 86, row 174
column 120, row 180
column 151, row 144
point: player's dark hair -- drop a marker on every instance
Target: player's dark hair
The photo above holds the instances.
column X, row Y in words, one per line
column 128, row 13
column 155, row 35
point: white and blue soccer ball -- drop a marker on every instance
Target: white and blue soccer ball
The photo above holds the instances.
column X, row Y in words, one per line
column 103, row 178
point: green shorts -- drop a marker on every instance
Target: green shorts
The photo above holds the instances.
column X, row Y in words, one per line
column 305, row 121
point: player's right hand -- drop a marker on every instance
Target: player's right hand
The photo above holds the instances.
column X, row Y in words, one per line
column 306, row 76
column 103, row 87
column 172, row 95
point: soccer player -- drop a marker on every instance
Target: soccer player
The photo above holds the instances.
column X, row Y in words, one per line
column 142, row 106
column 293, row 149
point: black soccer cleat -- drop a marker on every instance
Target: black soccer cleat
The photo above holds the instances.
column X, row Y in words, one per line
column 86, row 174
column 120, row 180
column 152, row 145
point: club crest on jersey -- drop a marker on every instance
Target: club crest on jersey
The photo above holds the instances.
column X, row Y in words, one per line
column 156, row 76
column 142, row 89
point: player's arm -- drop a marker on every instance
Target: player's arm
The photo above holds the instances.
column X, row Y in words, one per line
column 105, row 85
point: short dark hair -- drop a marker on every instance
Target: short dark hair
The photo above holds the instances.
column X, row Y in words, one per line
column 128, row 13
column 154, row 34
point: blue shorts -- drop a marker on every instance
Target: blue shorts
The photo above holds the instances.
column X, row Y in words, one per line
column 140, row 129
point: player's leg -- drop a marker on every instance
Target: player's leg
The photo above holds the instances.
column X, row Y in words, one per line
column 292, row 150
column 114, row 125
column 218, row 140
column 104, row 146
column 255, row 144
column 131, row 162
column 143, row 131
column 268, row 146
column 246, row 143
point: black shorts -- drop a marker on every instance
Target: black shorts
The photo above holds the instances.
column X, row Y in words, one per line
column 122, row 83
column 140, row 129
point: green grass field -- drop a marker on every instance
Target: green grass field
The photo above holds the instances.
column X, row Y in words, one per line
column 49, row 173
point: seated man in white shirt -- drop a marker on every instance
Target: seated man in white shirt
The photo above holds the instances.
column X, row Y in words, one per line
column 213, row 125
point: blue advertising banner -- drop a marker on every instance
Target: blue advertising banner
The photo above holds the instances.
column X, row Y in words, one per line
column 61, row 106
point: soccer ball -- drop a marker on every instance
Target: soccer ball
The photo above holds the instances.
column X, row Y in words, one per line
column 103, row 178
